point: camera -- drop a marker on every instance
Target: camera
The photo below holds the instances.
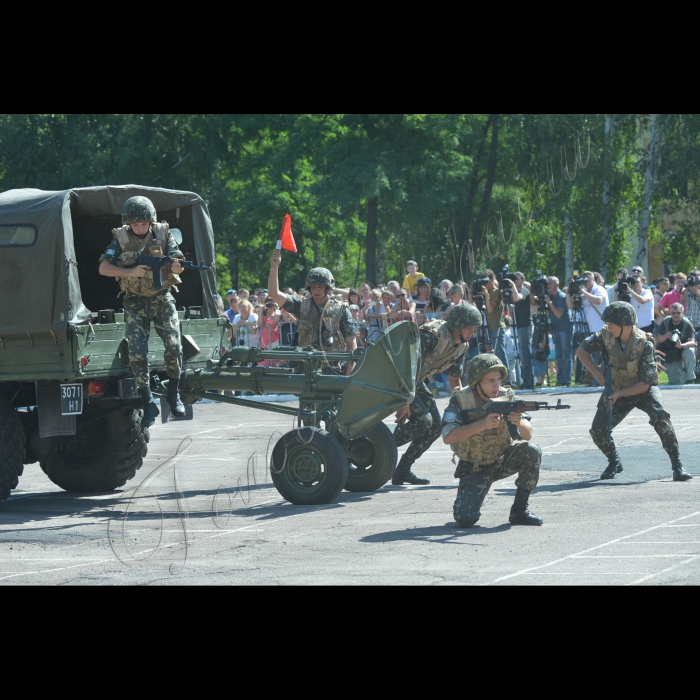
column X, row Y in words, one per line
column 507, row 289
column 624, row 285
column 675, row 337
column 574, row 285
column 477, row 290
column 691, row 282
column 538, row 286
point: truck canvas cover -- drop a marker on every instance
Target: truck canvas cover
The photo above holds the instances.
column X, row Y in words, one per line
column 50, row 243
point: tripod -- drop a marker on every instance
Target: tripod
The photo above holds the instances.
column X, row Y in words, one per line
column 579, row 327
column 483, row 340
column 516, row 343
column 541, row 335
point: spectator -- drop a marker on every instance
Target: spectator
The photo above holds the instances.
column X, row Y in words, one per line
column 662, row 286
column 232, row 310
column 432, row 309
column 269, row 327
column 523, row 328
column 494, row 314
column 376, row 316
column 456, row 295
column 690, row 298
column 643, row 302
column 393, row 287
column 360, row 325
column 244, row 326
column 412, row 276
column 638, row 272
column 403, row 309
column 599, row 279
column 621, row 272
column 365, row 289
column 560, row 328
column 262, row 296
column 243, row 293
column 673, row 296
column 355, row 298
column 679, row 357
column 422, row 299
column 445, row 287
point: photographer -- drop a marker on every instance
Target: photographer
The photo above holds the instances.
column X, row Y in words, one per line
column 621, row 273
column 691, row 298
column 494, row 312
column 676, row 339
column 631, row 290
column 540, row 331
column 560, row 327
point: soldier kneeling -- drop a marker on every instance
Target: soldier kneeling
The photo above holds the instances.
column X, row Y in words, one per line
column 484, row 445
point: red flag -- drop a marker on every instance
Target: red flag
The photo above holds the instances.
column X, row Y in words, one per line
column 286, row 241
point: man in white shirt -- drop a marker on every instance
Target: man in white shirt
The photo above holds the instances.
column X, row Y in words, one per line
column 643, row 303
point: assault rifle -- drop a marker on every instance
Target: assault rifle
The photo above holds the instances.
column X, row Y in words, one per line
column 157, row 264
column 606, row 402
column 505, row 408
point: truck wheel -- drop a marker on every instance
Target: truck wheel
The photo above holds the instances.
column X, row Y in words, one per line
column 371, row 459
column 12, row 448
column 103, row 454
column 309, row 467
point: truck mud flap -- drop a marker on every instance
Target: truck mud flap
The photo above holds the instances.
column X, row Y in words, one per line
column 51, row 421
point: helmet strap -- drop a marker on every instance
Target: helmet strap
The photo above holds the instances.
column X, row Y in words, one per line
column 480, row 392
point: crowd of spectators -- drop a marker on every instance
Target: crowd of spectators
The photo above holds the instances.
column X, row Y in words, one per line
column 534, row 332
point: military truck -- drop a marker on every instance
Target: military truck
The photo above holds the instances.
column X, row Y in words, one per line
column 67, row 397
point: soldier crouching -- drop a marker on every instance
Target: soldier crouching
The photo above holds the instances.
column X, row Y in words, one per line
column 485, row 447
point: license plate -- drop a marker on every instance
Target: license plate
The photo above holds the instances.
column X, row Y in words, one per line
column 71, row 399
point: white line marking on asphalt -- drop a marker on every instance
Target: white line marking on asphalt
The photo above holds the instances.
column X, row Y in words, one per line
column 592, row 549
column 632, row 556
column 60, row 568
column 665, row 571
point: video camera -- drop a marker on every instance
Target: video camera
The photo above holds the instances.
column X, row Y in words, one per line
column 506, row 289
column 575, row 285
column 623, row 288
column 538, row 287
column 477, row 290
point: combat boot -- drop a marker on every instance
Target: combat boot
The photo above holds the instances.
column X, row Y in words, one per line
column 519, row 514
column 174, row 400
column 614, row 467
column 150, row 410
column 404, row 475
column 679, row 474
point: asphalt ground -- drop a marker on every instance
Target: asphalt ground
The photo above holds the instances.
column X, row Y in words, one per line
column 203, row 511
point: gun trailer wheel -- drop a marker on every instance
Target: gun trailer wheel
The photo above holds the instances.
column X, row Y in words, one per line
column 12, row 448
column 371, row 459
column 309, row 467
column 103, row 454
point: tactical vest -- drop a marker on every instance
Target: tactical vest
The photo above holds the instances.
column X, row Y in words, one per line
column 309, row 324
column 445, row 354
column 132, row 247
column 624, row 365
column 488, row 446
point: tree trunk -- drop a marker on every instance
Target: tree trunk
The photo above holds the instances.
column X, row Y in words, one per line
column 569, row 248
column 371, row 253
column 640, row 248
column 488, row 187
column 607, row 177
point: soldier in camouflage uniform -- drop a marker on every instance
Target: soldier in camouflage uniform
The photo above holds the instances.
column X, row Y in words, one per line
column 141, row 234
column 484, row 445
column 324, row 323
column 634, row 384
column 443, row 345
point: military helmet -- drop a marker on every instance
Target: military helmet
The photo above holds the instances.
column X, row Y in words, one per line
column 481, row 365
column 620, row 313
column 319, row 275
column 463, row 316
column 138, row 210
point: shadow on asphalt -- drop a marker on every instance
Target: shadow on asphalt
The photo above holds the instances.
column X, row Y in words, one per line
column 449, row 533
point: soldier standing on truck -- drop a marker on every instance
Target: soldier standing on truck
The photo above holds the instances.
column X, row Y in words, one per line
column 443, row 345
column 325, row 323
column 140, row 234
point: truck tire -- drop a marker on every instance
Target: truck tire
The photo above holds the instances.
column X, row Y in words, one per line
column 12, row 448
column 103, row 455
column 309, row 467
column 371, row 459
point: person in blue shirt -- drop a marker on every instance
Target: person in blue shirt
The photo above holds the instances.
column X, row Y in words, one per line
column 560, row 328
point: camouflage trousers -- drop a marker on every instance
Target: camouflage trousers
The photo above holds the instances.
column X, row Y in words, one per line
column 423, row 427
column 521, row 457
column 139, row 311
column 652, row 405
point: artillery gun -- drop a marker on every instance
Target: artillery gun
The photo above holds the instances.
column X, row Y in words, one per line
column 339, row 441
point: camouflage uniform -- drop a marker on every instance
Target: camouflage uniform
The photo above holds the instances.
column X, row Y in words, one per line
column 629, row 365
column 141, row 309
column 490, row 455
column 650, row 402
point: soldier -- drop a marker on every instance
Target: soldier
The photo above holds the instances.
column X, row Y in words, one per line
column 634, row 384
column 442, row 348
column 141, row 234
column 324, row 323
column 485, row 448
